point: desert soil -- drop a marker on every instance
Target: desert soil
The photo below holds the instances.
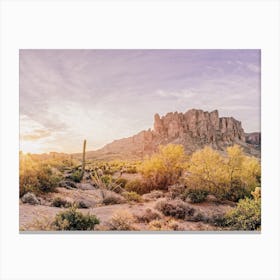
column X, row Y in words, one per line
column 29, row 214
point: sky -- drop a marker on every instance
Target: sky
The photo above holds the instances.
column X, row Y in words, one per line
column 67, row 96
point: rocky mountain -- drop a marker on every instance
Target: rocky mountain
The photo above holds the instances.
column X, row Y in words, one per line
column 253, row 138
column 193, row 129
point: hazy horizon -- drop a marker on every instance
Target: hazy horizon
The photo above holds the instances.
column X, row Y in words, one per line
column 103, row 95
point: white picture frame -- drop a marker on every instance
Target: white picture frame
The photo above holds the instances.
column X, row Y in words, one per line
column 140, row 24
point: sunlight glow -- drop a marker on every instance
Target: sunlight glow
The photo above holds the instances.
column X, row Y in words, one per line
column 34, row 147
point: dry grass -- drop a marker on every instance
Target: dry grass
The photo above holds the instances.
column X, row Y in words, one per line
column 122, row 220
column 148, row 215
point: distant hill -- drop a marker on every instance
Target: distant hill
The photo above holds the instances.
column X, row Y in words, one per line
column 193, row 129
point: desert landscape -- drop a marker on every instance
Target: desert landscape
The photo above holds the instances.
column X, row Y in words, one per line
column 139, row 141
column 192, row 171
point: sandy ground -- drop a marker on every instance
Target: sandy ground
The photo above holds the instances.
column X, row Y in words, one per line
column 29, row 214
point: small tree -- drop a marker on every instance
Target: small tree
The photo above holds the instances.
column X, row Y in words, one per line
column 235, row 159
column 231, row 177
column 165, row 167
column 206, row 170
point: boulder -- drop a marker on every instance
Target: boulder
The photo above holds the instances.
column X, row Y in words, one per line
column 30, row 198
column 67, row 184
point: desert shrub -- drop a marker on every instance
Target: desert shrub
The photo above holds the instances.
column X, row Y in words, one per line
column 137, row 186
column 175, row 208
column 156, row 225
column 196, row 195
column 23, row 189
column 165, row 167
column 109, row 171
column 160, row 225
column 59, row 202
column 44, row 223
column 148, row 215
column 109, row 197
column 246, row 216
column 121, row 220
column 218, row 220
column 235, row 191
column 48, row 180
column 106, row 182
column 153, row 195
column 256, row 193
column 121, row 182
column 177, row 191
column 81, row 204
column 197, row 217
column 244, row 168
column 132, row 196
column 71, row 219
column 173, row 225
column 36, row 177
column 106, row 179
column 77, row 176
column 100, row 172
column 231, row 177
column 131, row 170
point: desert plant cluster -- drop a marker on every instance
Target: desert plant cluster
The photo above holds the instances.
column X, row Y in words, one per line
column 168, row 191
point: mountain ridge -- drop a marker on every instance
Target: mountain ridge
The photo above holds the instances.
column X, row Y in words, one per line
column 193, row 129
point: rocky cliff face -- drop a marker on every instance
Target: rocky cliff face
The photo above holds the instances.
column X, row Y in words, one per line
column 200, row 125
column 193, row 129
column 253, row 138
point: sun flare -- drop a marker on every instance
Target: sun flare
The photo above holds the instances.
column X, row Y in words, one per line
column 33, row 147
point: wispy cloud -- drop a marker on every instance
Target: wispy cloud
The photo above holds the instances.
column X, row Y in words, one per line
column 102, row 95
column 37, row 134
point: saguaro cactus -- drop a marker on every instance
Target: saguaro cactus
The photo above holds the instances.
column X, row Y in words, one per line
column 84, row 157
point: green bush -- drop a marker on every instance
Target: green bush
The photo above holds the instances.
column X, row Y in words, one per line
column 121, row 182
column 77, row 176
column 73, row 220
column 26, row 188
column 106, row 179
column 132, row 196
column 218, row 220
column 48, row 180
column 196, row 195
column 246, row 216
column 236, row 191
column 59, row 202
column 81, row 204
column 137, row 186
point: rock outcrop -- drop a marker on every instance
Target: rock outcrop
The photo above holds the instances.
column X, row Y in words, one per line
column 193, row 129
column 253, row 138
